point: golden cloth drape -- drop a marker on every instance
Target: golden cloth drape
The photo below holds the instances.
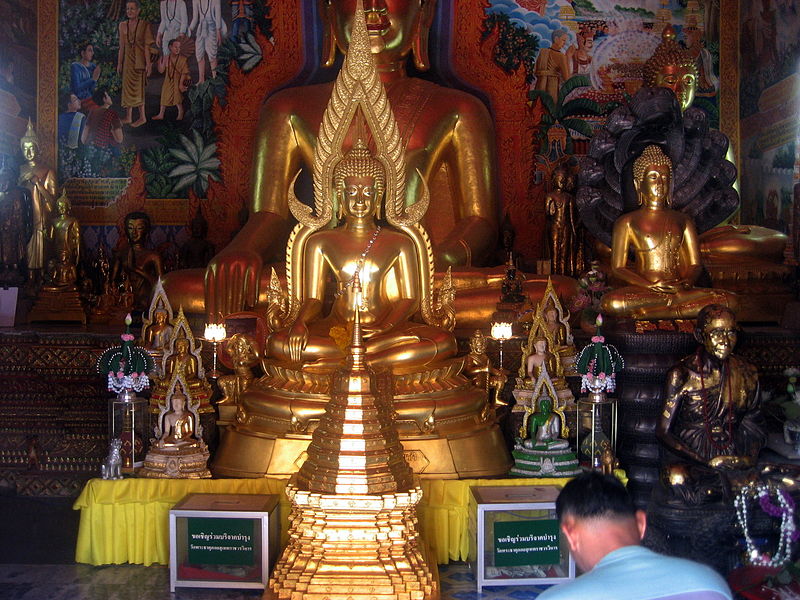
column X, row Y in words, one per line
column 127, row 521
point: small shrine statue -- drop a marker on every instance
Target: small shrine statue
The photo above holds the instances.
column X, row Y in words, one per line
column 141, row 265
column 179, row 357
column 178, row 450
column 59, row 299
column 244, row 355
column 542, row 452
column 711, row 422
column 157, row 325
column 561, row 223
column 40, row 181
column 540, row 359
column 14, row 229
column 478, row 367
column 666, row 250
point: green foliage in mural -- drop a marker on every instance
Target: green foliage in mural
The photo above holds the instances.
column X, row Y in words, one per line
column 639, row 12
column 515, row 47
column 568, row 112
column 784, row 158
column 197, row 163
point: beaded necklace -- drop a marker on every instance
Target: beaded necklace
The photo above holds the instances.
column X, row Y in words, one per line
column 360, row 263
column 174, row 10
column 135, row 32
column 784, row 510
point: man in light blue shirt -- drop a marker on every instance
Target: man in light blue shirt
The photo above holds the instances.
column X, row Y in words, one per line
column 604, row 531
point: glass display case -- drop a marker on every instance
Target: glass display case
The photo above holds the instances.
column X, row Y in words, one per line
column 515, row 538
column 223, row 540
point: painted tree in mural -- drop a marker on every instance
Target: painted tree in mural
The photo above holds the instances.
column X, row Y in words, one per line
column 515, row 46
column 568, row 111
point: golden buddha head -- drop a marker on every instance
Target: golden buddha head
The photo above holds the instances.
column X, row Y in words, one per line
column 160, row 316
column 396, row 28
column 242, row 349
column 673, row 67
column 29, row 143
column 63, row 205
column 178, row 400
column 652, row 177
column 717, row 330
column 137, row 227
column 181, row 346
column 360, row 180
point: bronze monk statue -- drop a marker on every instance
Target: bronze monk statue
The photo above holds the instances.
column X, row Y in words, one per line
column 447, row 134
column 711, row 423
column 666, row 250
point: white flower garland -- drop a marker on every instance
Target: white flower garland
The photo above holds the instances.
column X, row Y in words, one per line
column 788, row 528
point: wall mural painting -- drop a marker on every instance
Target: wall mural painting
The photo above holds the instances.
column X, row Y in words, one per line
column 769, row 105
column 138, row 86
column 17, row 74
column 572, row 63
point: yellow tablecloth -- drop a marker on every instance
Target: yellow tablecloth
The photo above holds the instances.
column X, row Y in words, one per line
column 127, row 521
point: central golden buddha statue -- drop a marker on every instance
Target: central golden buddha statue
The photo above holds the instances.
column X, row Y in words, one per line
column 444, row 421
column 666, row 250
column 448, row 139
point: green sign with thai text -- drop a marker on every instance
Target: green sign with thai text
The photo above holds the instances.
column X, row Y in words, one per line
column 529, row 542
column 220, row 541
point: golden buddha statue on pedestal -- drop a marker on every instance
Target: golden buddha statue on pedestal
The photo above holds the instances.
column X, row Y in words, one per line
column 157, row 327
column 666, row 252
column 58, row 299
column 178, row 450
column 745, row 259
column 181, row 356
column 440, row 416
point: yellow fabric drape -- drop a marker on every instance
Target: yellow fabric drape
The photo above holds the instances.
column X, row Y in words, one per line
column 127, row 521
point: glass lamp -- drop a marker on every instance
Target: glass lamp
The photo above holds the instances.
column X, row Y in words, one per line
column 502, row 331
column 598, row 364
column 214, row 333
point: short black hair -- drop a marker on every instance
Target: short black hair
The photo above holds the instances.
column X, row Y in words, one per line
column 594, row 495
column 99, row 95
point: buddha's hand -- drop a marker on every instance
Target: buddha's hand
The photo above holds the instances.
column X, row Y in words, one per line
column 667, row 287
column 232, row 280
column 298, row 338
column 730, row 462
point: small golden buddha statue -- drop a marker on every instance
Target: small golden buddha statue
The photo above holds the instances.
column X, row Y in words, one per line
column 59, row 299
column 478, row 367
column 541, row 358
column 563, row 244
column 244, row 355
column 660, row 283
column 387, row 264
column 711, row 423
column 159, row 332
column 41, row 181
column 386, row 272
column 178, row 450
column 141, row 265
column 181, row 360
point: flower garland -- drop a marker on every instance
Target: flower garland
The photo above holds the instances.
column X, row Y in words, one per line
column 785, row 510
column 126, row 365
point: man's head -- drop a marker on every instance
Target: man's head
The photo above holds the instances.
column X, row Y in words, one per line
column 396, row 27
column 132, row 9
column 558, row 38
column 598, row 516
column 101, row 98
column 70, row 103
column 174, row 47
column 717, row 330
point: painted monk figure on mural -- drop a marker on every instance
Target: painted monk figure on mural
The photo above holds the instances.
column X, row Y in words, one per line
column 133, row 62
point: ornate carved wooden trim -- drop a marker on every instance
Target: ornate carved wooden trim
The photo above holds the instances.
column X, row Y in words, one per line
column 729, row 76
column 47, row 78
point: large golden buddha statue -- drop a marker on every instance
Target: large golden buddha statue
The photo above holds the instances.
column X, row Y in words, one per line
column 445, row 422
column 447, row 135
column 703, row 178
column 666, row 250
